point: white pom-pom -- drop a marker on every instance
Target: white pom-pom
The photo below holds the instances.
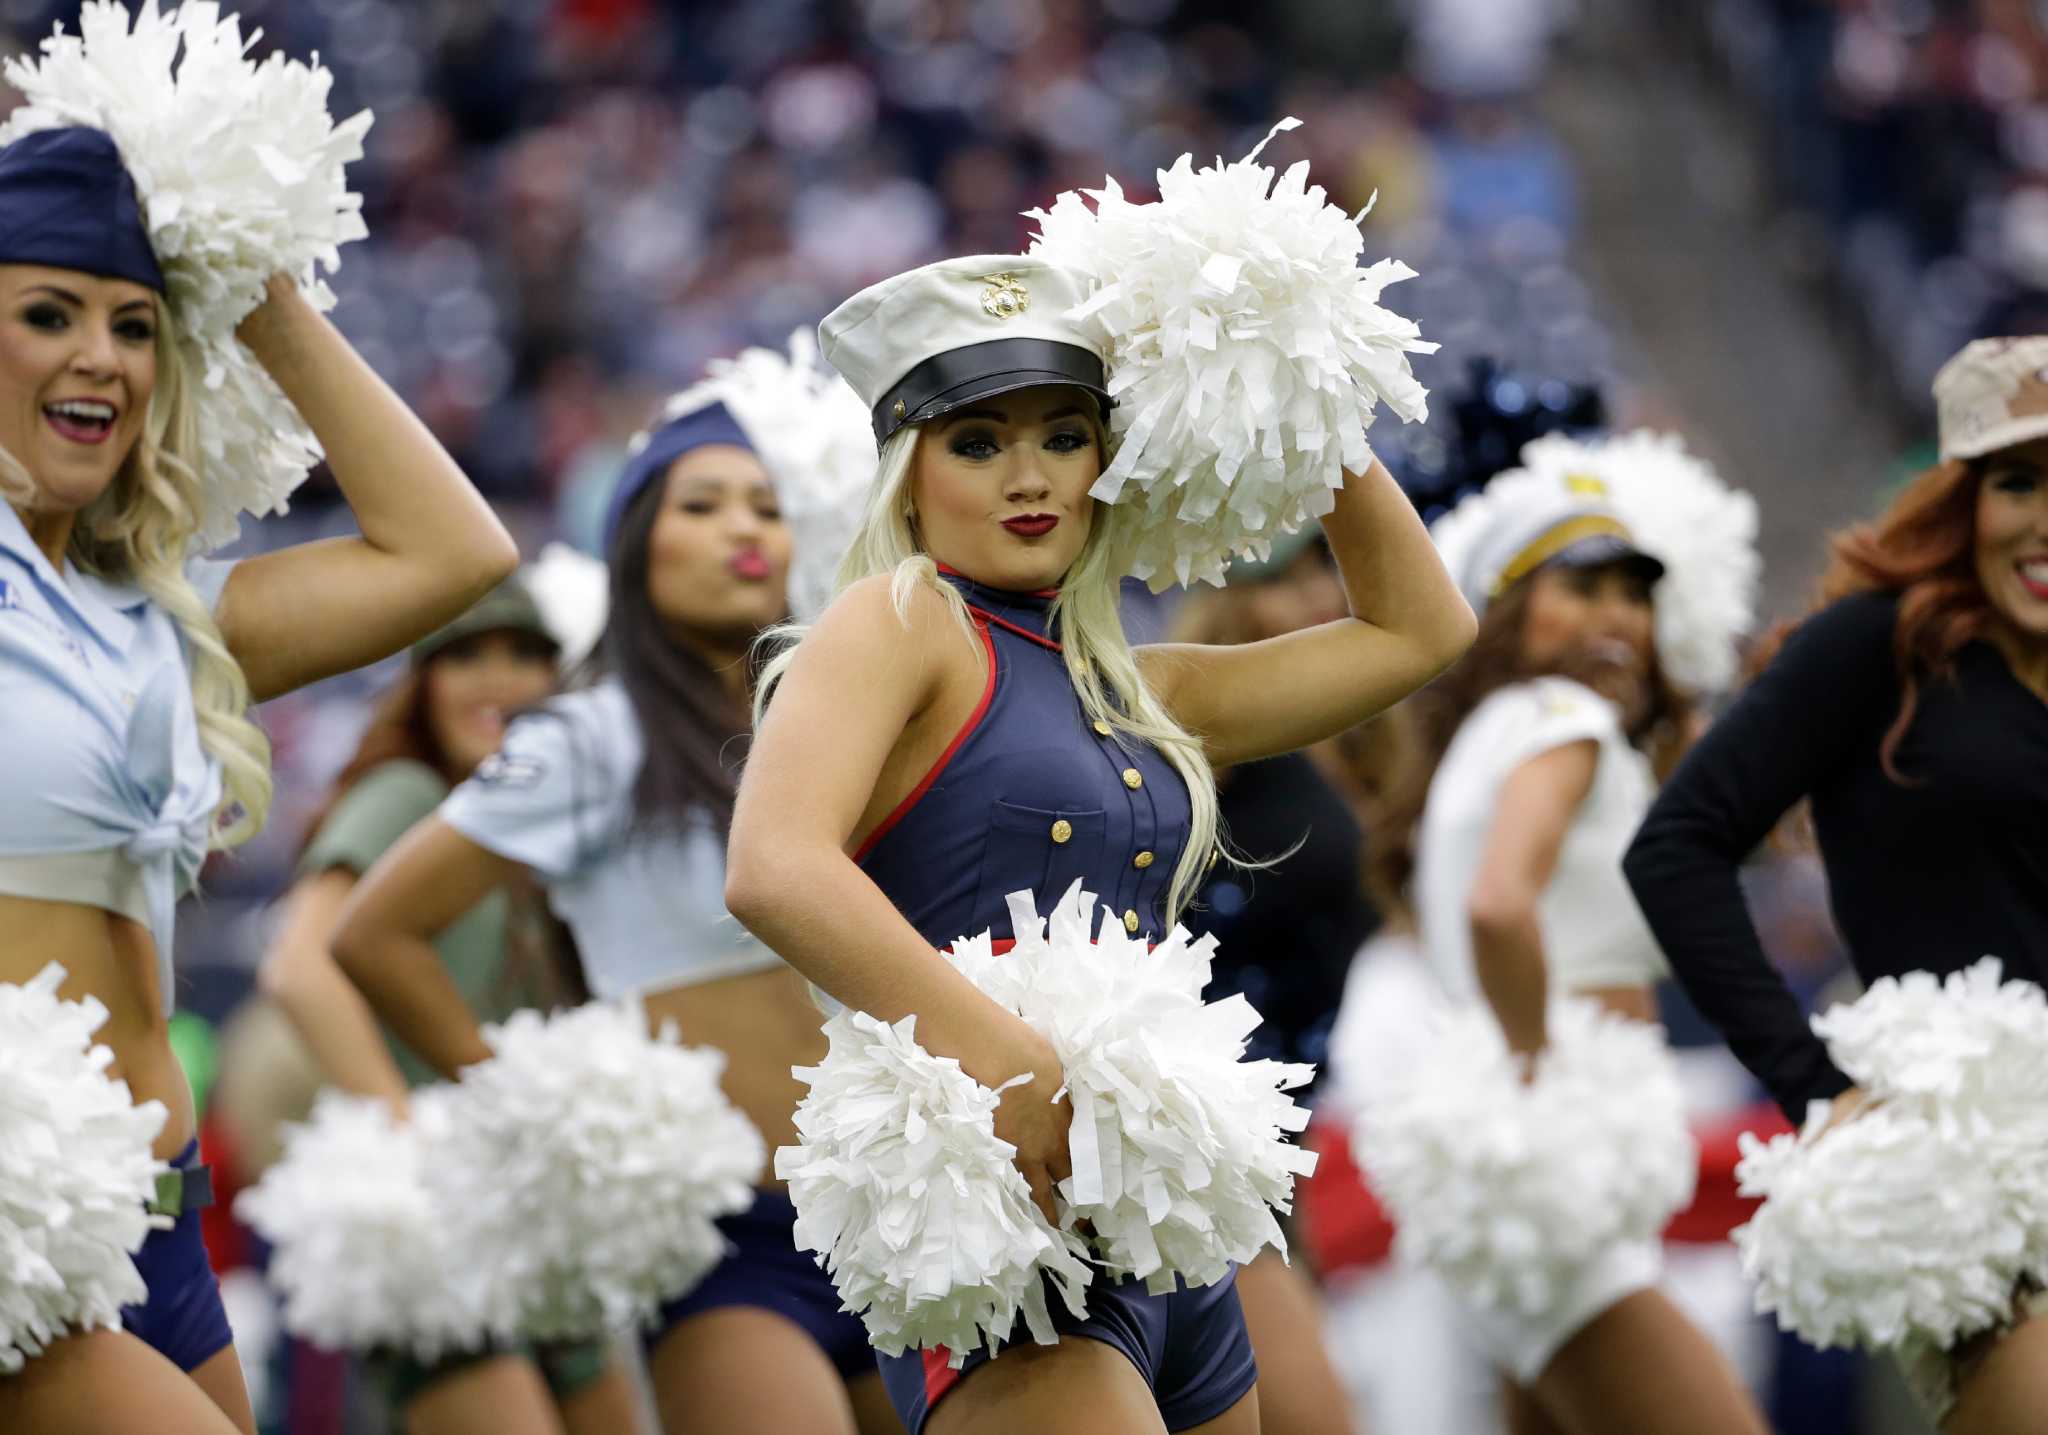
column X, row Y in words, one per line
column 1508, row 1188
column 573, row 591
column 911, row 1202
column 589, row 1161
column 1246, row 351
column 241, row 173
column 813, row 435
column 1916, row 1220
column 1177, row 1147
column 1889, row 1228
column 76, row 1172
column 1680, row 511
column 1967, row 1037
column 1178, row 1144
column 359, row 1247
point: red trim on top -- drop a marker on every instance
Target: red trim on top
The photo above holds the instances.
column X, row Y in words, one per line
column 950, row 570
column 967, row 728
column 988, row 617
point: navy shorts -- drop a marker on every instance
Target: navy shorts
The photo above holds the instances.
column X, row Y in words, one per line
column 182, row 1319
column 766, row 1270
column 1189, row 1345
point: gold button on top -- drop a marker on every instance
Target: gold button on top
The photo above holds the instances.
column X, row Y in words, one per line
column 1142, row 861
column 1133, row 778
column 1101, row 729
column 1062, row 830
column 1130, row 921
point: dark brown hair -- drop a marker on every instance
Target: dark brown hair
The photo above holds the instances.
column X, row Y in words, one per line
column 691, row 729
column 1437, row 712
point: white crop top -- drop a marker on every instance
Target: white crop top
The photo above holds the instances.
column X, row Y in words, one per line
column 1593, row 934
column 647, row 908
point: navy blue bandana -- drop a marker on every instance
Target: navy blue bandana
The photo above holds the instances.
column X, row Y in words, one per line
column 712, row 424
column 67, row 201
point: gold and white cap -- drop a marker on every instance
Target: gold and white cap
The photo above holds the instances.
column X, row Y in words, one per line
column 931, row 340
column 1992, row 395
column 1523, row 521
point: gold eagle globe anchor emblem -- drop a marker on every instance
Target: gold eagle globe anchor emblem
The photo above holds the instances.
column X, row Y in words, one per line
column 1005, row 298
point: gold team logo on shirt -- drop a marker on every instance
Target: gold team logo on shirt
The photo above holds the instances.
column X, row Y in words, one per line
column 1005, row 298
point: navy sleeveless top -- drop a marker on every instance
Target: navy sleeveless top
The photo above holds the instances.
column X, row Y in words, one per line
column 1030, row 794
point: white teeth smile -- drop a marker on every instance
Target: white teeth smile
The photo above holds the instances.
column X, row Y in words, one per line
column 90, row 410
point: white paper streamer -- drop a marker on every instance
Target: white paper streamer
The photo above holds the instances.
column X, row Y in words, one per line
column 911, row 1202
column 1247, row 349
column 1177, row 1147
column 573, row 593
column 589, row 1162
column 1509, row 1188
column 1914, row 1222
column 360, row 1247
column 76, row 1172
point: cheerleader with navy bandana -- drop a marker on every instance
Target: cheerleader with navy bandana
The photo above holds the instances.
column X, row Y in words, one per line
column 615, row 796
column 152, row 385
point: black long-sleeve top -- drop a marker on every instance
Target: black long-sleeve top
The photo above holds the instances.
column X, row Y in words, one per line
column 1928, row 876
column 1286, row 934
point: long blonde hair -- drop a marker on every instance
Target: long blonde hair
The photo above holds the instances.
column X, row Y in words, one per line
column 138, row 530
column 1098, row 656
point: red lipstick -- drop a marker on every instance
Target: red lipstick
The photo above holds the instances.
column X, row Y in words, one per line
column 1032, row 525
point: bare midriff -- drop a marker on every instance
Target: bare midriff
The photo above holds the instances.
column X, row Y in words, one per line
column 765, row 1023
column 114, row 960
column 1640, row 1003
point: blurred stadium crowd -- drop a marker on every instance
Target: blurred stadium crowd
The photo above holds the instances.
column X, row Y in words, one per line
column 1912, row 137
column 574, row 204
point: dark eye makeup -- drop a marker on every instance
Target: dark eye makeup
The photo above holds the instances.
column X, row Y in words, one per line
column 979, row 444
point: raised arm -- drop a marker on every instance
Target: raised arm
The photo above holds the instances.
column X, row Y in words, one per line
column 1792, row 728
column 1408, row 623
column 857, row 683
column 430, row 545
column 1534, row 812
column 385, row 939
column 299, row 974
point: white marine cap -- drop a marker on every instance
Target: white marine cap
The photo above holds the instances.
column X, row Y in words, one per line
column 1525, row 520
column 927, row 341
column 1992, row 395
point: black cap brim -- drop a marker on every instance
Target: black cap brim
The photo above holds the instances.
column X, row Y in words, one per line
column 1601, row 550
column 958, row 377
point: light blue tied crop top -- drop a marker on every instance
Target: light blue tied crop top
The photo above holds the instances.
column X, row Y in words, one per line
column 647, row 908
column 99, row 743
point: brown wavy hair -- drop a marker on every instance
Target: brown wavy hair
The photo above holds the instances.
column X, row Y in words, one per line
column 1437, row 712
column 539, row 955
column 1922, row 548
